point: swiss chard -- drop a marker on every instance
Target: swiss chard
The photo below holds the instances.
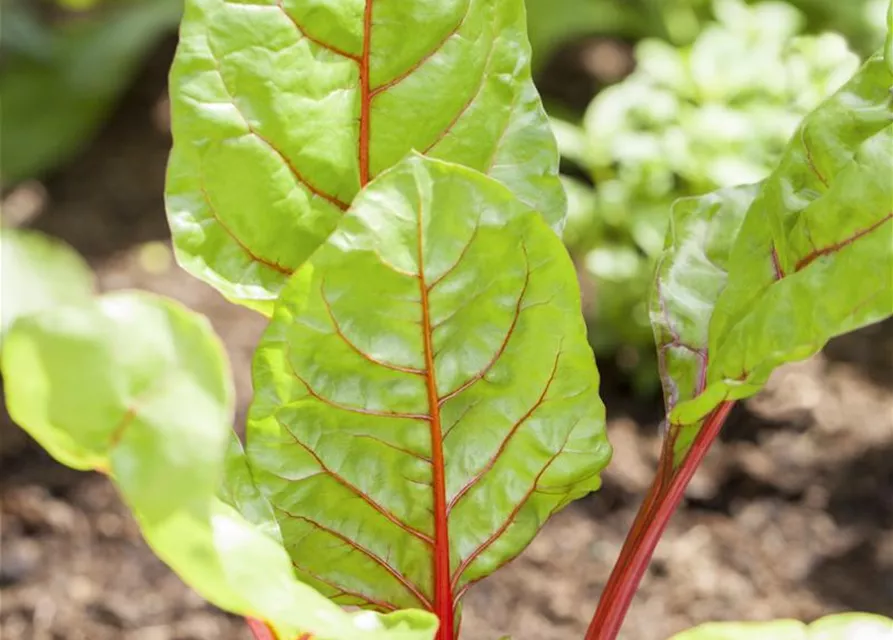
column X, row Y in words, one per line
column 753, row 277
column 155, row 415
column 424, row 395
column 283, row 111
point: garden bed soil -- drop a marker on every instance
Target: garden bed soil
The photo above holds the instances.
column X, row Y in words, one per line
column 791, row 516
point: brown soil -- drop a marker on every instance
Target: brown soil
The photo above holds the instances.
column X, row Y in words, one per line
column 792, row 514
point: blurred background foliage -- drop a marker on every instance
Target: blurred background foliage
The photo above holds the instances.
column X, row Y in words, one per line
column 678, row 97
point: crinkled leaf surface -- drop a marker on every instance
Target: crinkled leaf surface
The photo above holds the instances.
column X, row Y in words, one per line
column 283, row 110
column 844, row 626
column 38, row 273
column 689, row 278
column 813, row 257
column 138, row 387
column 425, row 396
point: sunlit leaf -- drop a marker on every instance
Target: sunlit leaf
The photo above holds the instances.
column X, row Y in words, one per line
column 813, row 257
column 283, row 110
column 844, row 626
column 138, row 387
column 38, row 273
column 425, row 397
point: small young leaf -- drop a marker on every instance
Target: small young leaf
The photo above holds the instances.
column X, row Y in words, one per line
column 425, row 396
column 843, row 626
column 813, row 256
column 38, row 273
column 283, row 110
column 138, row 387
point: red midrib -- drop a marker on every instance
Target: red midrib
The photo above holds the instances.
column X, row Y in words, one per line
column 365, row 95
column 443, row 592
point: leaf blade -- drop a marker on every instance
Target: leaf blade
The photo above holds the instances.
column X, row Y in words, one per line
column 798, row 264
column 283, row 111
column 137, row 387
column 426, row 310
column 689, row 278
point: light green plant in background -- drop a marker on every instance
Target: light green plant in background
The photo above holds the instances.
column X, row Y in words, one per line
column 553, row 23
column 687, row 121
column 844, row 626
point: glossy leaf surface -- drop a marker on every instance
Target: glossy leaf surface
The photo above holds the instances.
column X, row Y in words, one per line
column 425, row 396
column 38, row 273
column 844, row 626
column 138, row 387
column 813, row 257
column 283, row 110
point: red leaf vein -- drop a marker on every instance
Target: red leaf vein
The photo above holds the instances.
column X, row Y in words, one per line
column 837, row 246
column 343, row 407
column 516, row 316
column 353, row 544
column 355, row 348
column 337, row 477
column 505, row 442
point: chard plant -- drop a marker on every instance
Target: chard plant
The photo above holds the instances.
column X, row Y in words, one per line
column 379, row 179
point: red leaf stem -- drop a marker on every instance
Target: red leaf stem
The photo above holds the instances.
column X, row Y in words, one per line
column 365, row 95
column 663, row 498
column 260, row 630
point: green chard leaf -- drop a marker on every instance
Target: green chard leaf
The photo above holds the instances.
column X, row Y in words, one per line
column 39, row 272
column 425, row 396
column 842, row 626
column 138, row 387
column 811, row 259
column 283, row 111
column 689, row 278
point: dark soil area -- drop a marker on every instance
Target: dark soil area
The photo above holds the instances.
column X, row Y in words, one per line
column 791, row 516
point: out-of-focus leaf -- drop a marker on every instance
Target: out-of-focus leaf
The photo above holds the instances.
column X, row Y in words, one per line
column 813, row 257
column 138, row 387
column 54, row 101
column 888, row 47
column 425, row 398
column 39, row 273
column 282, row 111
column 844, row 626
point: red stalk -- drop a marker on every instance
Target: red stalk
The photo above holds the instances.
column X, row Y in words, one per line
column 259, row 630
column 662, row 500
column 365, row 95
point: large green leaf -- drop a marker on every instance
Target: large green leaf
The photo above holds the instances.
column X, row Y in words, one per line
column 843, row 626
column 283, row 110
column 813, row 257
column 138, row 387
column 425, row 397
column 38, row 273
